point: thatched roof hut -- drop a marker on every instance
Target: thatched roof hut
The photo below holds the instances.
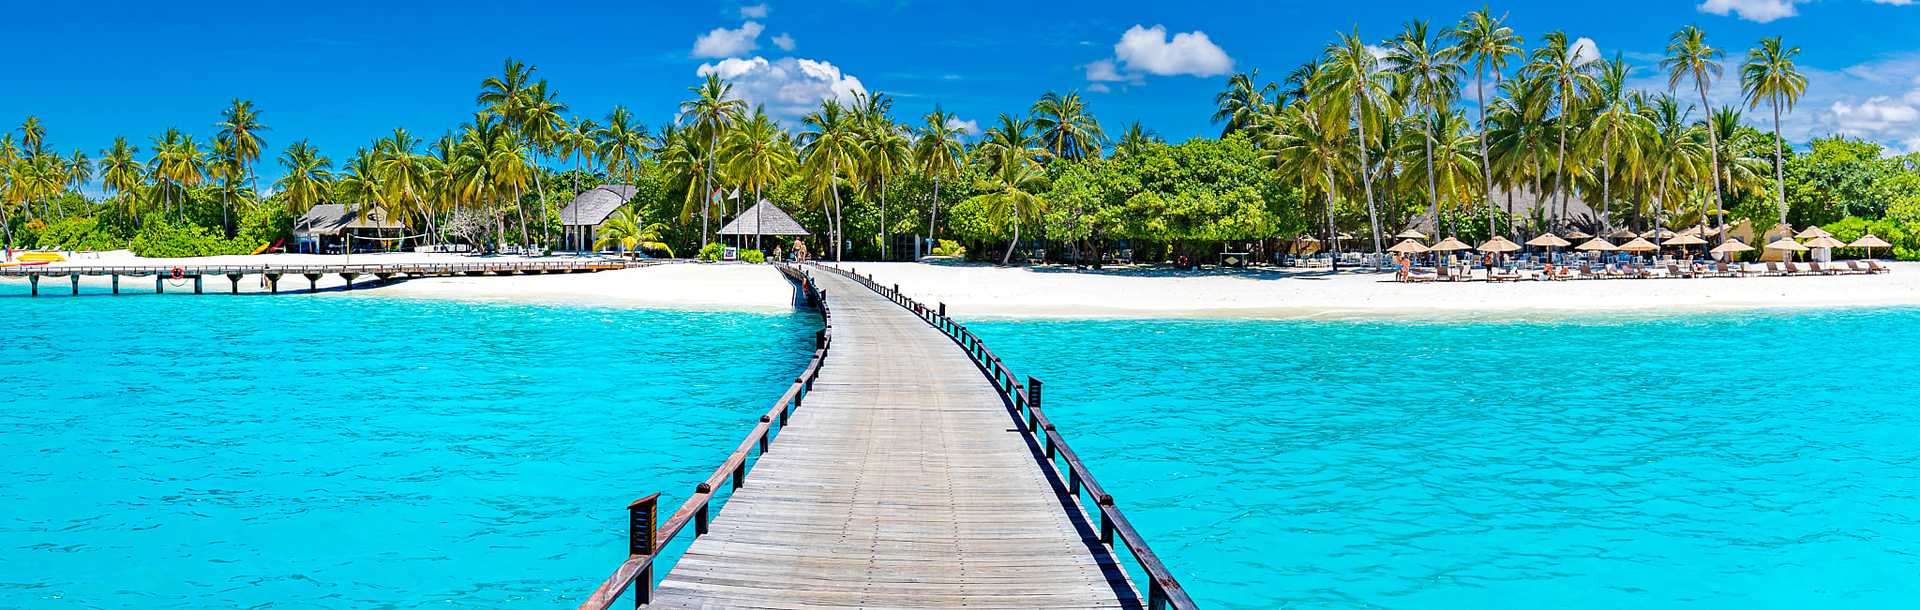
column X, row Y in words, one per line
column 764, row 218
column 592, row 207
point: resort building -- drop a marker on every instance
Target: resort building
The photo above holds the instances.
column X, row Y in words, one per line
column 329, row 228
column 581, row 220
column 763, row 219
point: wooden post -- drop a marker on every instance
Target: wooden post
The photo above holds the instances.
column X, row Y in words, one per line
column 196, row 284
column 642, row 523
column 116, row 283
column 159, row 284
column 34, row 279
column 1033, row 393
column 943, row 310
column 76, row 283
column 234, row 280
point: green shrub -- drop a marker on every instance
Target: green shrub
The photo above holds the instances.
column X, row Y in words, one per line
column 159, row 238
column 948, row 247
column 712, row 251
column 78, row 234
column 753, row 256
column 1905, row 236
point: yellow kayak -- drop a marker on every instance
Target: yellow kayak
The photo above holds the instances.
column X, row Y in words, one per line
column 41, row 257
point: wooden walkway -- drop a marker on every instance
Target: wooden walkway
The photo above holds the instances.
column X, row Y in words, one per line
column 913, row 469
column 905, row 482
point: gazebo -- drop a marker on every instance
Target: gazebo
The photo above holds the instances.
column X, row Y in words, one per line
column 763, row 218
column 581, row 219
column 330, row 225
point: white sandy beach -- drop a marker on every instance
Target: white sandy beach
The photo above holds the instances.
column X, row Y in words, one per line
column 984, row 290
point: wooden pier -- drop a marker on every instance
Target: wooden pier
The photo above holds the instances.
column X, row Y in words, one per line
column 180, row 275
column 912, row 469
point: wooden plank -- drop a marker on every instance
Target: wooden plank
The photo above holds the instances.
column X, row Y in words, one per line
column 901, row 482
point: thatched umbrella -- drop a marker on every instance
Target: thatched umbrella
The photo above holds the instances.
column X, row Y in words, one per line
column 1578, row 234
column 1499, row 245
column 1408, row 247
column 1639, row 244
column 1660, row 234
column 1786, row 245
column 1684, row 240
column 1548, row 241
column 1621, row 233
column 1732, row 246
column 1824, row 241
column 1449, row 245
column 1869, row 241
column 1812, row 232
column 1597, row 245
column 1410, row 234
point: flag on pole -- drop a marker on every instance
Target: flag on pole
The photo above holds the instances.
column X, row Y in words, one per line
column 735, row 195
column 716, row 195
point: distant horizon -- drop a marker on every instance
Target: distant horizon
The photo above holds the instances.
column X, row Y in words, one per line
column 1133, row 62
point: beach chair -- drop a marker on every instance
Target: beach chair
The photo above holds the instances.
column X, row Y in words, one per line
column 1873, row 267
column 1508, row 274
column 1854, row 267
column 1720, row 269
column 1815, row 268
column 1673, row 271
column 1772, row 268
column 1643, row 272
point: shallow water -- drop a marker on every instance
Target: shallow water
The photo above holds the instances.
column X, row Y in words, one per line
column 350, row 452
column 1758, row 460
column 341, row 452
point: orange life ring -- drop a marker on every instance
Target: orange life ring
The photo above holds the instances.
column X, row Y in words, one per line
column 179, row 273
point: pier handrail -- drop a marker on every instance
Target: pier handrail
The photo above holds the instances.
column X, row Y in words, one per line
column 646, row 536
column 1162, row 590
column 367, row 268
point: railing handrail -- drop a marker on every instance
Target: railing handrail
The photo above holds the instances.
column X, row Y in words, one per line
column 1163, row 590
column 637, row 570
column 63, row 270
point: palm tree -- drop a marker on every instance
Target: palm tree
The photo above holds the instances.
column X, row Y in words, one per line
column 712, row 109
column 360, row 181
column 405, row 174
column 1486, row 42
column 1307, row 142
column 309, row 175
column 624, row 231
column 1561, row 65
column 1689, row 57
column 1677, row 152
column 225, row 166
column 1352, row 85
column 1447, row 157
column 1770, row 74
column 937, row 151
column 1240, row 104
column 79, row 171
column 121, row 173
column 1014, row 181
column 758, row 155
column 1067, row 129
column 1134, row 141
column 887, row 152
column 33, row 136
column 1614, row 122
column 1518, row 129
column 830, row 146
column 542, row 128
column 240, row 126
column 1427, row 76
column 620, row 144
column 581, row 144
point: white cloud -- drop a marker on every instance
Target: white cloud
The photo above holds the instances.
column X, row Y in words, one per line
column 1873, row 115
column 1104, row 71
column 1760, row 11
column 788, row 87
column 1584, row 50
column 722, row 42
column 1187, row 53
column 757, row 11
column 966, row 127
column 1893, row 2
column 783, row 41
column 1099, row 88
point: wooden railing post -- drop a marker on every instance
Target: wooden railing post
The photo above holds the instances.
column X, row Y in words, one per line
column 943, row 310
column 642, row 523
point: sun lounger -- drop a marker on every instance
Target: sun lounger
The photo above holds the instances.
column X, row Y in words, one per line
column 1816, row 268
column 1793, row 269
column 1673, row 271
column 1720, row 269
column 1873, row 267
column 1772, row 268
column 1505, row 274
column 1854, row 267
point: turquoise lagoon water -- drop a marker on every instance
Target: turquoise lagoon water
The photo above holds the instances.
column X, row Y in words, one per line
column 1755, row 460
column 349, row 452
column 365, row 452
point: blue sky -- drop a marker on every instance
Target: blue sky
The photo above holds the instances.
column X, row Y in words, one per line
column 344, row 73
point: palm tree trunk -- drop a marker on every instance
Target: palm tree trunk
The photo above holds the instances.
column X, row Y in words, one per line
column 1486, row 162
column 1713, row 155
column 544, row 210
column 522, row 210
column 757, row 229
column 6, row 224
column 1560, row 164
column 1366, row 176
column 1433, row 192
column 1008, row 258
column 883, row 217
column 838, row 238
column 934, row 215
column 1779, row 171
column 706, row 192
column 1606, row 182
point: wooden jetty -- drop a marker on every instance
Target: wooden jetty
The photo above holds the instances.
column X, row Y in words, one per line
column 912, row 469
column 272, row 274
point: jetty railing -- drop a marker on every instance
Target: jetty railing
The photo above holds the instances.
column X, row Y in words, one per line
column 646, row 536
column 1162, row 590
